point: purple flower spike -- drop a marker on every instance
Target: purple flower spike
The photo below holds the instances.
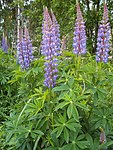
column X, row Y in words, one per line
column 50, row 47
column 24, row 49
column 56, row 29
column 79, row 40
column 4, row 44
column 103, row 38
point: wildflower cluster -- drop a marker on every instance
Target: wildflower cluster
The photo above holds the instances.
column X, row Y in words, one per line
column 24, row 49
column 103, row 38
column 50, row 47
column 79, row 40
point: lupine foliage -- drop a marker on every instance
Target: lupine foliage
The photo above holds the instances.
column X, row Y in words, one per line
column 67, row 117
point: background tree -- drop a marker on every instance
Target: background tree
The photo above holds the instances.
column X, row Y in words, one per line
column 65, row 12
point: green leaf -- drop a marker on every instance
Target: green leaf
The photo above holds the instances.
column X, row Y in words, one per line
column 82, row 144
column 29, row 146
column 98, row 124
column 102, row 91
column 89, row 138
column 60, row 129
column 80, row 137
column 67, row 147
column 71, row 127
column 74, row 147
column 70, row 110
column 66, row 135
column 38, row 132
column 75, row 113
column 23, row 146
column 61, row 105
column 9, row 136
column 81, row 106
column 83, row 97
column 71, row 81
column 61, row 88
column 106, row 145
column 51, row 148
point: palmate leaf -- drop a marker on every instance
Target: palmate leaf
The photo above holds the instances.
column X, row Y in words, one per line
column 61, row 105
column 23, row 146
column 29, row 147
column 75, row 113
column 62, row 118
column 81, row 106
column 74, row 147
column 70, row 110
column 67, row 147
column 66, row 135
column 71, row 126
column 51, row 148
column 59, row 131
column 93, row 144
column 71, row 81
column 67, row 97
column 64, row 126
column 9, row 136
column 38, row 132
column 61, row 88
column 82, row 144
column 82, row 97
column 106, row 145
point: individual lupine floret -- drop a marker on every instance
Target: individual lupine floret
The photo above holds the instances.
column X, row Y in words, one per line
column 50, row 48
column 103, row 38
column 4, row 44
column 24, row 50
column 79, row 40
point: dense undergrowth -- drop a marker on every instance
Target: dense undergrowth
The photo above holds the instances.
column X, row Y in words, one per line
column 71, row 116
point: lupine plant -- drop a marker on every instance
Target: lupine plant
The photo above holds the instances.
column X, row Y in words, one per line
column 74, row 114
column 50, row 47
column 4, row 44
column 103, row 38
column 79, row 40
column 24, row 49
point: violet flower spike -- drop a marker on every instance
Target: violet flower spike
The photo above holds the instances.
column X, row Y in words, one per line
column 50, row 48
column 103, row 40
column 79, row 40
column 56, row 30
column 4, row 44
column 24, row 50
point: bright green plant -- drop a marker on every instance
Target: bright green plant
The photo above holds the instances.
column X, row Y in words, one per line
column 66, row 117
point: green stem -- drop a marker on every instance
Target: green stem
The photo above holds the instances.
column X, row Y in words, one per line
column 100, row 66
column 36, row 143
column 76, row 1
column 104, row 2
column 50, row 94
column 22, row 112
column 79, row 61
